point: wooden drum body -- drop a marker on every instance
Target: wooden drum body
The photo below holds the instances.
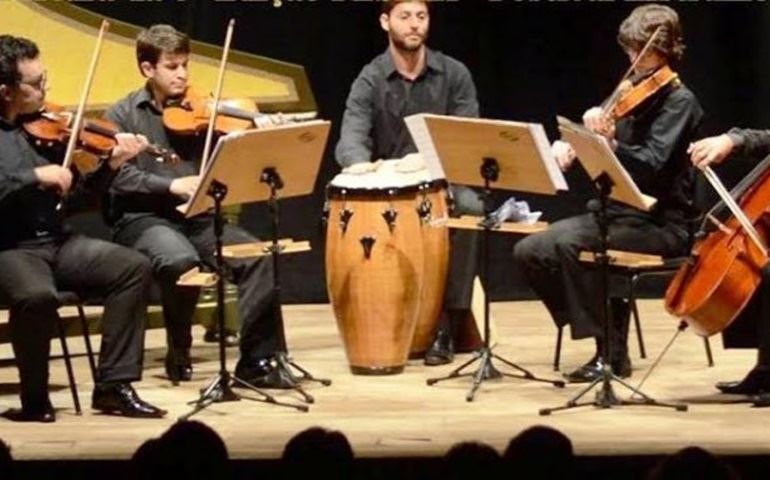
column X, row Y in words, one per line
column 434, row 213
column 374, row 273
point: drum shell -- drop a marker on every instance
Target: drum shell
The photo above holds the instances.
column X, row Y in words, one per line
column 375, row 299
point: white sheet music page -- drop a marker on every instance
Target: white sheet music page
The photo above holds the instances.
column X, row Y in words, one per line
column 418, row 128
column 596, row 156
column 544, row 149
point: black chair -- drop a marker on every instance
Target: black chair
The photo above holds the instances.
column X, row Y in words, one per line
column 71, row 299
column 632, row 268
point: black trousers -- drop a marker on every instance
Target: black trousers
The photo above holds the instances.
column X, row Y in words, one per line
column 29, row 280
column 752, row 327
column 571, row 290
column 463, row 251
column 176, row 245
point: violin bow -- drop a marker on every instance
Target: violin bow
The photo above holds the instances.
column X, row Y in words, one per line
column 77, row 121
column 613, row 99
column 217, row 96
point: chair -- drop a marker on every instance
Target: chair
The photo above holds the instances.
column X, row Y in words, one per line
column 71, row 299
column 633, row 267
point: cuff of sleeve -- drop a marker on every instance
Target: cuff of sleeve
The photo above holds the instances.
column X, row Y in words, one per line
column 158, row 184
column 28, row 177
column 738, row 139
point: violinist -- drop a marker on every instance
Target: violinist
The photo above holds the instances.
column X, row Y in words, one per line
column 752, row 327
column 142, row 212
column 651, row 142
column 39, row 256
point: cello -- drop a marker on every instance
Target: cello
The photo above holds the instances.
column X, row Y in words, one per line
column 725, row 266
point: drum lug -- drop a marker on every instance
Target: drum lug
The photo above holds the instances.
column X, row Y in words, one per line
column 345, row 215
column 390, row 217
column 367, row 242
column 325, row 214
column 424, row 210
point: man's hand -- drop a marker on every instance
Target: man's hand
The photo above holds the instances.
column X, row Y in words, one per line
column 184, row 187
column 564, row 154
column 54, row 176
column 710, row 150
column 595, row 120
column 128, row 147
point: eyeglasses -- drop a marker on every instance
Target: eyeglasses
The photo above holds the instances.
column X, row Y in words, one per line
column 39, row 83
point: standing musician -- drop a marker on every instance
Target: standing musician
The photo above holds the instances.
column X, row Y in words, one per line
column 409, row 78
column 651, row 143
column 142, row 212
column 752, row 328
column 39, row 255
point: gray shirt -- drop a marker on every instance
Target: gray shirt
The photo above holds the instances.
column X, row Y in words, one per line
column 373, row 125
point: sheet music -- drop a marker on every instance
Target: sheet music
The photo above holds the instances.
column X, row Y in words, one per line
column 544, row 147
column 596, row 156
column 418, row 129
column 451, row 146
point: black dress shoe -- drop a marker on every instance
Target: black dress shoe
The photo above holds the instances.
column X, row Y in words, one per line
column 178, row 369
column 212, row 336
column 592, row 370
column 121, row 398
column 46, row 414
column 264, row 373
column 761, row 401
column 757, row 381
column 442, row 350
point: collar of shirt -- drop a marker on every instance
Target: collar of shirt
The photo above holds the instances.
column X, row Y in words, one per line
column 145, row 100
column 432, row 63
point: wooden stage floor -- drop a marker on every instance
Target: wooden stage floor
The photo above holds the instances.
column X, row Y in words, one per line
column 397, row 416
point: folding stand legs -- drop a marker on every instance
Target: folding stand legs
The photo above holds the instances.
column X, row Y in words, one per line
column 486, row 369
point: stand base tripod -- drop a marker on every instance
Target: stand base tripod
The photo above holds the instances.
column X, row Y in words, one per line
column 220, row 391
column 606, row 397
column 291, row 380
column 487, row 371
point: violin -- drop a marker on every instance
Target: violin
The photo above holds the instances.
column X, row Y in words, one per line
column 634, row 94
column 190, row 114
column 96, row 139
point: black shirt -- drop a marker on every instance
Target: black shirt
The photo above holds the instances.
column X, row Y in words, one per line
column 29, row 212
column 652, row 145
column 373, row 126
column 142, row 185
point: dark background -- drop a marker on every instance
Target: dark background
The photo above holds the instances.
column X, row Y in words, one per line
column 529, row 60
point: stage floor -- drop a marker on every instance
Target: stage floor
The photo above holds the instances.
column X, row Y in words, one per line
column 399, row 416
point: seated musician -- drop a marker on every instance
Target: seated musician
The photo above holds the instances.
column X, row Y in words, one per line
column 39, row 256
column 651, row 144
column 142, row 212
column 409, row 78
column 752, row 328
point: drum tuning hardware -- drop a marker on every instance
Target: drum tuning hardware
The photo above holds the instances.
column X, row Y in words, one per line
column 367, row 242
column 424, row 210
column 345, row 215
column 390, row 217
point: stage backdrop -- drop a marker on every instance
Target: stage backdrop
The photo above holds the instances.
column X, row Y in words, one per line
column 530, row 61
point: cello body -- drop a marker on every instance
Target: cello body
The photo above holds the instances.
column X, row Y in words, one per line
column 725, row 268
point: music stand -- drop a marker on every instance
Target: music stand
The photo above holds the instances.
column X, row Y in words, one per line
column 480, row 152
column 611, row 181
column 244, row 168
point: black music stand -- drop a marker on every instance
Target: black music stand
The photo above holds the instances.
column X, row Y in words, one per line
column 611, row 181
column 242, row 166
column 480, row 152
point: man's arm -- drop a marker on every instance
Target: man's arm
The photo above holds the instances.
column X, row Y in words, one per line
column 130, row 178
column 463, row 101
column 650, row 155
column 750, row 143
column 356, row 144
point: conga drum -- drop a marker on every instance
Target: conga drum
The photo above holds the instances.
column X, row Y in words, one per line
column 374, row 267
column 434, row 212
